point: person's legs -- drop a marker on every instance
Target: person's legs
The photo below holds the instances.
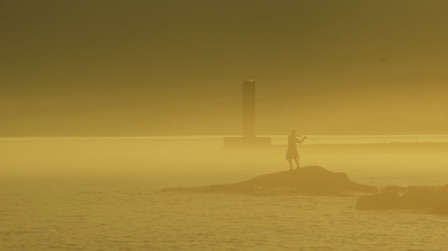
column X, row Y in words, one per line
column 290, row 164
column 297, row 163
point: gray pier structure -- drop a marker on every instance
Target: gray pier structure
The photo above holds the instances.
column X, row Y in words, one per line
column 249, row 137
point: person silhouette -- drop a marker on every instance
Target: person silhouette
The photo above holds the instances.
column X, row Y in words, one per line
column 292, row 153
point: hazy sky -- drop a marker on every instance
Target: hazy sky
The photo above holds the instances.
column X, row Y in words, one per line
column 119, row 68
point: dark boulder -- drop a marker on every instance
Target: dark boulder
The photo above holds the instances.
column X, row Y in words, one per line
column 441, row 207
column 418, row 199
column 412, row 198
column 384, row 200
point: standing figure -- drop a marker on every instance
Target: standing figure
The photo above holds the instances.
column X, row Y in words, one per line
column 292, row 153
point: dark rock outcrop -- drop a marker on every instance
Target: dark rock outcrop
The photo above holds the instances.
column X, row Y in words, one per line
column 434, row 199
column 384, row 200
column 441, row 206
column 415, row 199
column 312, row 180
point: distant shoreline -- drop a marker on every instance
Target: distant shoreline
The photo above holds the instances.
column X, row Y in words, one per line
column 363, row 141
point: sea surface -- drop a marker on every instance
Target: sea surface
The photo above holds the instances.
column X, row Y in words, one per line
column 104, row 194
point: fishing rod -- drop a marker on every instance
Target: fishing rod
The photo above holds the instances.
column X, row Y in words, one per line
column 317, row 142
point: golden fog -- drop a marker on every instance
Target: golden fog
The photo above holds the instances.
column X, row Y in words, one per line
column 145, row 68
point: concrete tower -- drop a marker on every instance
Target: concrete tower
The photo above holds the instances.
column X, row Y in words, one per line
column 249, row 108
column 249, row 137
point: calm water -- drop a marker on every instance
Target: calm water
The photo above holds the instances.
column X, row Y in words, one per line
column 102, row 194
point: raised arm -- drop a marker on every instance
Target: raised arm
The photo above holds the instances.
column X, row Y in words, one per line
column 301, row 140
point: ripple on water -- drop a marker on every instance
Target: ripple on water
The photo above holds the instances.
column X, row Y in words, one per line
column 120, row 217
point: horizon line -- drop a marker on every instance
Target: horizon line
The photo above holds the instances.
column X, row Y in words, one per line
column 213, row 136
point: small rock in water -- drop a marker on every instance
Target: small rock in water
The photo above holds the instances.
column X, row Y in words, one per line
column 434, row 199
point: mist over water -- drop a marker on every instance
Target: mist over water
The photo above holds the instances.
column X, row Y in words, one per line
column 103, row 194
column 96, row 70
column 167, row 161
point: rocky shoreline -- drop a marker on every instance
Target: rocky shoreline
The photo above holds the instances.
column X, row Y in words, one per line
column 315, row 180
column 312, row 180
column 430, row 199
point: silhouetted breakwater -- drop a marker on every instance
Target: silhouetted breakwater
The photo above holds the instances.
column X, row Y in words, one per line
column 392, row 147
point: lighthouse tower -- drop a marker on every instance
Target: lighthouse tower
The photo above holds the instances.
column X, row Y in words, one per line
column 249, row 109
column 249, row 137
